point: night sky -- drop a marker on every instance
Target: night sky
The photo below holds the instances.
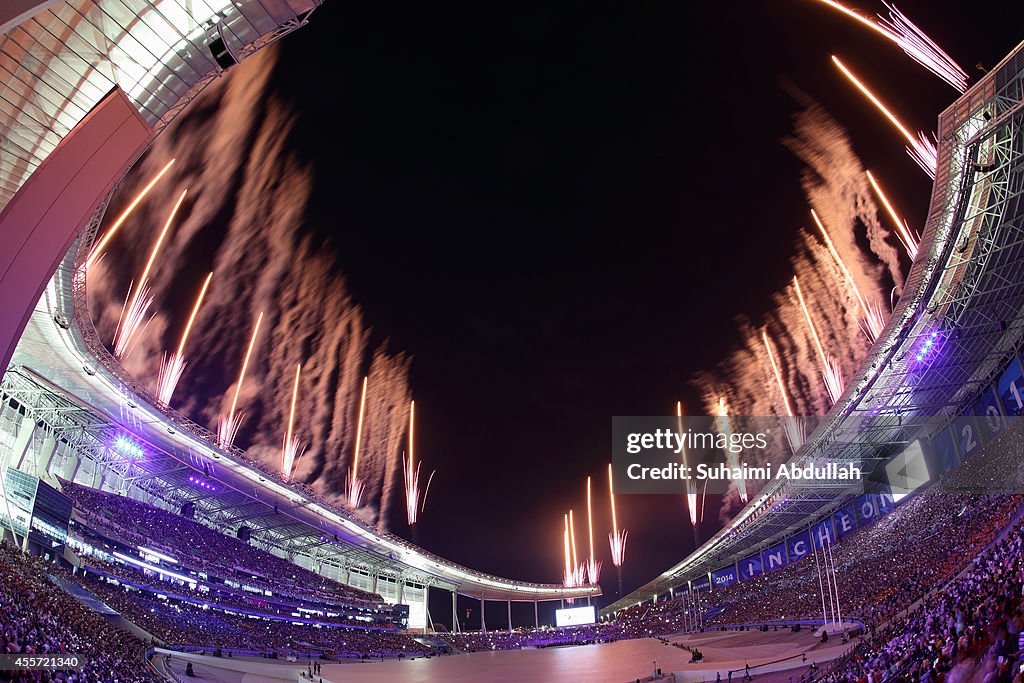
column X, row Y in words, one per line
column 559, row 210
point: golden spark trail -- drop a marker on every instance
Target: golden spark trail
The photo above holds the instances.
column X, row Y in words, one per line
column 192, row 316
column 567, row 580
column 691, row 494
column 411, row 478
column 593, row 566
column 171, row 368
column 412, row 475
column 616, row 539
column 134, row 314
column 913, row 41
column 590, row 521
column 874, row 317
column 572, row 538
column 355, row 486
column 228, row 427
column 295, row 399
column 921, row 149
column 831, row 372
column 722, row 423
column 810, row 323
column 791, row 425
column 611, row 497
column 778, row 375
column 359, row 429
column 159, row 241
column 97, row 249
column 903, row 232
column 290, row 447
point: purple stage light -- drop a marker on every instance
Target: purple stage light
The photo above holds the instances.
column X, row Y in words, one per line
column 126, row 446
column 201, row 483
column 928, row 346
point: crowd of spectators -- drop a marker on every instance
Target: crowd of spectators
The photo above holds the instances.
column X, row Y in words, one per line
column 478, row 641
column 205, row 549
column 880, row 568
column 221, row 595
column 38, row 617
column 970, row 629
column 188, row 626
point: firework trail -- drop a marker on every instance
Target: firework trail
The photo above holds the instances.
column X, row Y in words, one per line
column 593, row 566
column 574, row 573
column 227, row 427
column 913, row 41
column 831, row 373
column 172, row 367
column 412, row 476
column 234, row 151
column 617, row 537
column 905, row 235
column 792, row 424
column 724, row 427
column 572, row 538
column 691, row 493
column 874, row 315
column 133, row 319
column 567, row 577
column 291, row 447
column 140, row 300
column 921, row 148
column 355, row 486
column 97, row 249
column 924, row 51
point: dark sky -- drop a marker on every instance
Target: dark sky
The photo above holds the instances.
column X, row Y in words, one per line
column 558, row 210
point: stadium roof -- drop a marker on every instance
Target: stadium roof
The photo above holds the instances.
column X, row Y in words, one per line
column 964, row 287
column 59, row 59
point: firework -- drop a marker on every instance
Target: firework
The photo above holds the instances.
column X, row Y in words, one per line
column 905, row 235
column 791, row 424
column 412, row 476
column 172, row 367
column 722, row 422
column 913, row 41
column 291, row 447
column 873, row 321
column 227, row 427
column 354, row 484
column 831, row 373
column 572, row 538
column 97, row 249
column 921, row 148
column 691, row 493
column 568, row 579
column 617, row 537
column 923, row 49
column 133, row 318
column 593, row 566
column 139, row 301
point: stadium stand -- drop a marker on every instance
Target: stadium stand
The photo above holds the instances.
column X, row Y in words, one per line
column 38, row 617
